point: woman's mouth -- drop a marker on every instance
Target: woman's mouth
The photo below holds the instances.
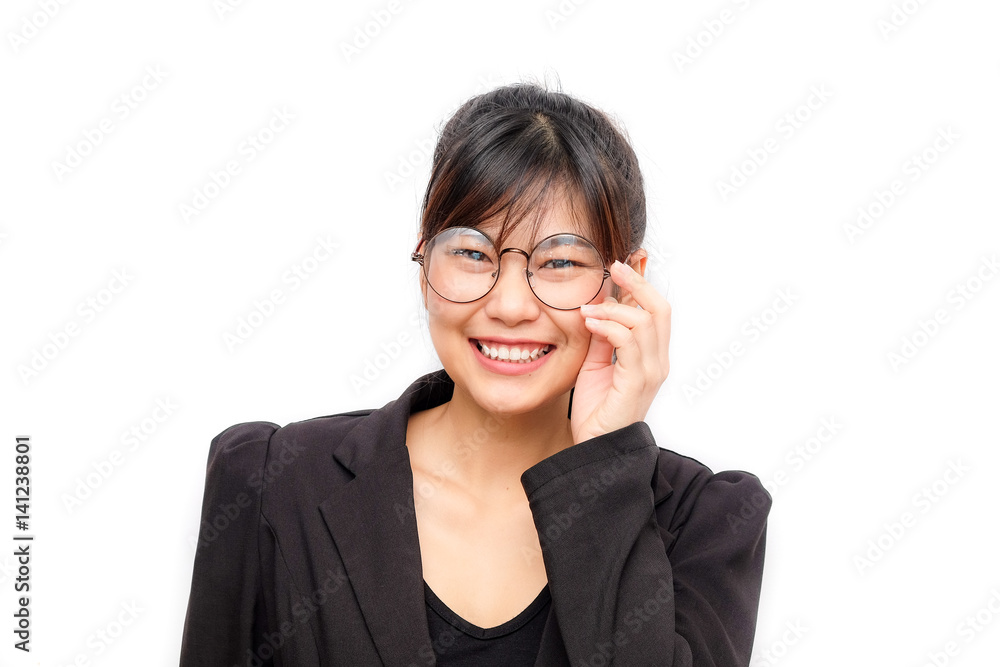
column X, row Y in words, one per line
column 512, row 354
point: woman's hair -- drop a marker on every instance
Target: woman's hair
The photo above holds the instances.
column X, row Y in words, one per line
column 513, row 150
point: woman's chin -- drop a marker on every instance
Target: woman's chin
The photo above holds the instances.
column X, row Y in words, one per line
column 510, row 401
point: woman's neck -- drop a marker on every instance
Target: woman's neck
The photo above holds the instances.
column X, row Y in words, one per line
column 488, row 452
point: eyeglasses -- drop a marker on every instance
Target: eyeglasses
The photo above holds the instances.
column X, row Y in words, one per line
column 461, row 264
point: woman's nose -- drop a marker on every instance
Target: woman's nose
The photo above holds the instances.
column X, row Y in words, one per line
column 511, row 296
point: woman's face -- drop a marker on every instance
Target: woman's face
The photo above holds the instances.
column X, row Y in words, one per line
column 512, row 312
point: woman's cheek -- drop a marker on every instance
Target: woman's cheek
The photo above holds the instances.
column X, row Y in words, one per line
column 579, row 340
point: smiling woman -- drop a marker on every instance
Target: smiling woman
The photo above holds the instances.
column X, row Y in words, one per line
column 511, row 508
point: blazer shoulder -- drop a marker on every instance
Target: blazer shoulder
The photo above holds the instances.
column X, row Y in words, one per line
column 253, row 434
column 686, row 472
column 241, row 435
column 695, row 483
column 236, row 440
column 338, row 420
column 239, row 450
column 320, row 433
column 253, row 439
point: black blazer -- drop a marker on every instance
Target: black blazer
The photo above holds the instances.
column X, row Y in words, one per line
column 308, row 551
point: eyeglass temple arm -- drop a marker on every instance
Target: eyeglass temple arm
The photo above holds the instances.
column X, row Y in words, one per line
column 416, row 256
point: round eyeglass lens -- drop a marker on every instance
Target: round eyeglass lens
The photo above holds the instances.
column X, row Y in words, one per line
column 566, row 271
column 459, row 264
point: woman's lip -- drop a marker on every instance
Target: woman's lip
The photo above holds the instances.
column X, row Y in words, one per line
column 511, row 341
column 508, row 367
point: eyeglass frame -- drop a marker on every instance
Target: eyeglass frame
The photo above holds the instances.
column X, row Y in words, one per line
column 419, row 257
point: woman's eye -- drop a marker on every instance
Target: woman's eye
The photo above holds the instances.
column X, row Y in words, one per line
column 475, row 255
column 559, row 264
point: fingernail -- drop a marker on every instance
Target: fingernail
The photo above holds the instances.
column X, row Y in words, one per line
column 628, row 269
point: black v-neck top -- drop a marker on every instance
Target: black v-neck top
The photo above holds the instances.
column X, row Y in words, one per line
column 458, row 643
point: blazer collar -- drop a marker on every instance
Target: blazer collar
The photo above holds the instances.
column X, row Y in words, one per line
column 384, row 429
column 373, row 524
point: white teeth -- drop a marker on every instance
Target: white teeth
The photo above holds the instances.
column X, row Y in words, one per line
column 513, row 354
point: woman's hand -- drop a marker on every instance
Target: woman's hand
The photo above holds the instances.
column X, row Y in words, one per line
column 611, row 396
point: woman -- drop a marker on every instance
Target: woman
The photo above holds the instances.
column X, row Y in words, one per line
column 513, row 507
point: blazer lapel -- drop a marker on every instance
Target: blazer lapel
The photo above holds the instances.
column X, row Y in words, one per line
column 374, row 527
column 376, row 535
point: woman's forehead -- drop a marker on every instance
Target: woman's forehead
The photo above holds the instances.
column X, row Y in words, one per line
column 558, row 217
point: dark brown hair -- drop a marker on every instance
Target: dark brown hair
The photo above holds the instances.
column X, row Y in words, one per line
column 510, row 150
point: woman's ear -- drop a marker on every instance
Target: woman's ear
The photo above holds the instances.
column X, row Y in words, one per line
column 637, row 260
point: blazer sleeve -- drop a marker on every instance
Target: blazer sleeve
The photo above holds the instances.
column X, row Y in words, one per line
column 219, row 629
column 626, row 589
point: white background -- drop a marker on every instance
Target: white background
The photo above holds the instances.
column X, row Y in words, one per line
column 350, row 167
